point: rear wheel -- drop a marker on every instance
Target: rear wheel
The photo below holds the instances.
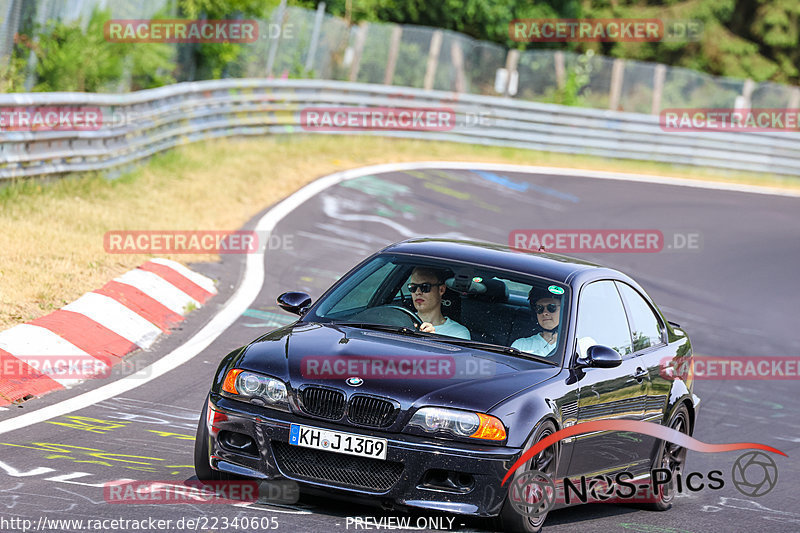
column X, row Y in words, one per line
column 670, row 457
column 511, row 519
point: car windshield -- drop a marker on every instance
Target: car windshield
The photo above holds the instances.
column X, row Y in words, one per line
column 452, row 302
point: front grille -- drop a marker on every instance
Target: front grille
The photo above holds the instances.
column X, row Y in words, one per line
column 324, row 403
column 368, row 411
column 336, row 468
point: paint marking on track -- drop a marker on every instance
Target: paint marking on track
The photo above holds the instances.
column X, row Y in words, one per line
column 253, row 279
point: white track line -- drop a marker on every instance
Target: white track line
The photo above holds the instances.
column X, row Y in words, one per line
column 254, row 273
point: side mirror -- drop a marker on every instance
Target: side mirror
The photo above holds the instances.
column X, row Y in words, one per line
column 294, row 302
column 599, row 356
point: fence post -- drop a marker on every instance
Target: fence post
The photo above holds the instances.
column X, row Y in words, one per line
column 433, row 60
column 312, row 46
column 512, row 60
column 794, row 98
column 561, row 77
column 658, row 88
column 394, row 49
column 361, row 38
column 617, row 74
column 458, row 63
column 747, row 92
column 273, row 48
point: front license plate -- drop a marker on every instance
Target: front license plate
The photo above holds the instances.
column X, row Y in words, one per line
column 337, row 441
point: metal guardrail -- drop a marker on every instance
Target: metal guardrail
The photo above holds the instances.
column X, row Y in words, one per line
column 138, row 125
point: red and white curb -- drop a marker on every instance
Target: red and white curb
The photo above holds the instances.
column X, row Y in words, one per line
column 86, row 338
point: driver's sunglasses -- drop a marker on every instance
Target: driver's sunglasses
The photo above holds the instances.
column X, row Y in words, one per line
column 424, row 287
column 551, row 308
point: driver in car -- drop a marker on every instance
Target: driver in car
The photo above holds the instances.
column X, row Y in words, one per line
column 548, row 311
column 427, row 287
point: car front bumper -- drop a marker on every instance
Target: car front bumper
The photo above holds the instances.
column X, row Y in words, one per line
column 416, row 472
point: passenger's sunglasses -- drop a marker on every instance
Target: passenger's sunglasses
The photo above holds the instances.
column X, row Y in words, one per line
column 551, row 308
column 424, row 287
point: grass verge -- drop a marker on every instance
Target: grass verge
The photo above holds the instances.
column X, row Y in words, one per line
column 51, row 251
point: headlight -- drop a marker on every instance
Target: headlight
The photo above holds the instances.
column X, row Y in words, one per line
column 255, row 388
column 459, row 423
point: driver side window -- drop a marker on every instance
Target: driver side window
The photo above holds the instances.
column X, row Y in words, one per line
column 602, row 320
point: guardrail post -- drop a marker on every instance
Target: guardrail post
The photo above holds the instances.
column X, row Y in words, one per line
column 658, row 88
column 394, row 49
column 561, row 76
column 433, row 60
column 312, row 46
column 617, row 74
column 458, row 64
column 361, row 38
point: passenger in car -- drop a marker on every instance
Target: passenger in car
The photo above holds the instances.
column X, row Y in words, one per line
column 426, row 288
column 547, row 310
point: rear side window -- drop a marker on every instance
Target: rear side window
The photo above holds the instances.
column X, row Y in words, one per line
column 645, row 325
column 601, row 319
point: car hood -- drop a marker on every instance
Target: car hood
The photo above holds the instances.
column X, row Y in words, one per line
column 392, row 365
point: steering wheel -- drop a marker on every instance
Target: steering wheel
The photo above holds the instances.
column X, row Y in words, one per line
column 392, row 315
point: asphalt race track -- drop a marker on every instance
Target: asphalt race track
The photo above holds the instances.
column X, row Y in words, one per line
column 736, row 293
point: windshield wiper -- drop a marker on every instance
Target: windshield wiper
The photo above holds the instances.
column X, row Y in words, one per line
column 384, row 327
column 496, row 348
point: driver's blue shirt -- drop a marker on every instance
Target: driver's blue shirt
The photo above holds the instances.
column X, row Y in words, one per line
column 535, row 345
column 452, row 328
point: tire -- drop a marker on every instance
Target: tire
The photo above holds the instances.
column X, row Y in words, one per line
column 511, row 520
column 202, row 467
column 672, row 457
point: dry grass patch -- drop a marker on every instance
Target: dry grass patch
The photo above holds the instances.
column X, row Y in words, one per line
column 51, row 249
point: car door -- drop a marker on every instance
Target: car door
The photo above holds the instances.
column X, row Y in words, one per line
column 607, row 393
column 651, row 350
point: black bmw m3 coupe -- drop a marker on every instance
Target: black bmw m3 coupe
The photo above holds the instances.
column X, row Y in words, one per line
column 422, row 375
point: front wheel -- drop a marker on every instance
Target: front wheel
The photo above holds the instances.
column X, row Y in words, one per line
column 535, row 492
column 202, row 466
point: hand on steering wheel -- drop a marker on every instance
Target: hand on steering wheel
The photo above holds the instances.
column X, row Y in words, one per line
column 417, row 321
column 427, row 327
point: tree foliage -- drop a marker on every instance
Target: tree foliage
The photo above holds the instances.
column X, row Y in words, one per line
column 758, row 39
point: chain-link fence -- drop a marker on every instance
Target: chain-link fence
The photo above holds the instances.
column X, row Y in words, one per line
column 301, row 43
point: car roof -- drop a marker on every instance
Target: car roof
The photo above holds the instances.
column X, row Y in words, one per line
column 553, row 266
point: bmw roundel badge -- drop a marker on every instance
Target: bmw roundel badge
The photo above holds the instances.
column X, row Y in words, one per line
column 355, row 381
